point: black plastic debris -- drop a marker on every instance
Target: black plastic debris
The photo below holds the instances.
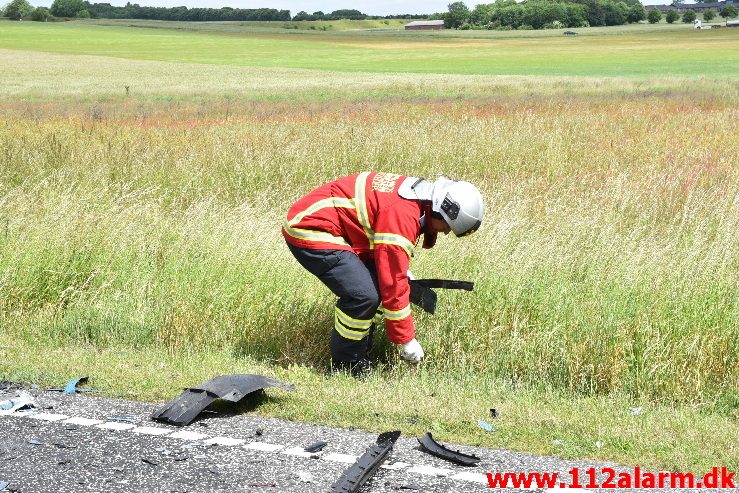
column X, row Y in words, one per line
column 315, row 447
column 366, row 465
column 429, row 445
column 185, row 408
column 64, row 446
column 425, row 298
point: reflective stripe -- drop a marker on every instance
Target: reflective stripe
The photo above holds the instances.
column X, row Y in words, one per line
column 311, row 235
column 363, row 326
column 321, row 204
column 395, row 239
column 360, row 200
column 352, row 322
column 397, row 314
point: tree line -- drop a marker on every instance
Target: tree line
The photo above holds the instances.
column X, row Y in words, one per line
column 502, row 14
column 18, row 9
column 543, row 14
column 554, row 14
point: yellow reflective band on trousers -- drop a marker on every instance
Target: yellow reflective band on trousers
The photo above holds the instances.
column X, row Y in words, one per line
column 397, row 314
column 351, row 328
column 360, row 200
column 395, row 239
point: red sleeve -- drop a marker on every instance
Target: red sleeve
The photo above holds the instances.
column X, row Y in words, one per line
column 396, row 230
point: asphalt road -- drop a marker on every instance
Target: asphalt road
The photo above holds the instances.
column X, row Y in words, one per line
column 78, row 442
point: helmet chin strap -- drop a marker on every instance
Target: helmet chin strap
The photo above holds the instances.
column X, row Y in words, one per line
column 429, row 235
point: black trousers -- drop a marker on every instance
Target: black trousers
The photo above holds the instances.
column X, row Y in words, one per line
column 355, row 283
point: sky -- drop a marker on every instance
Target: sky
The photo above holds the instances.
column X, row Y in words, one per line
column 370, row 7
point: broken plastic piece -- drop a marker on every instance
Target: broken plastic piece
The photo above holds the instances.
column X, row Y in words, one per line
column 71, row 386
column 425, row 298
column 366, row 465
column 185, row 408
column 10, row 406
column 428, row 444
column 446, row 284
column 485, row 425
column 3, row 485
column 315, row 447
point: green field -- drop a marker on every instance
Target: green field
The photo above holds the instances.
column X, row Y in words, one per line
column 145, row 172
column 678, row 51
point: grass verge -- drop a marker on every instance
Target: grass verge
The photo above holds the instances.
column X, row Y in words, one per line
column 532, row 419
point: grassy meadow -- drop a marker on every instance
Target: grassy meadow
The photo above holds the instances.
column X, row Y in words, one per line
column 144, row 175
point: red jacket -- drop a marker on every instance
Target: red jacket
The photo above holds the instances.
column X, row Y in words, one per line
column 363, row 213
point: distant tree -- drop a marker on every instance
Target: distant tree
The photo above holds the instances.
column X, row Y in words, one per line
column 17, row 9
column 708, row 15
column 636, row 13
column 689, row 16
column 615, row 13
column 67, row 8
column 482, row 14
column 458, row 14
column 40, row 14
column 83, row 14
column 351, row 14
column 654, row 16
column 671, row 16
column 729, row 11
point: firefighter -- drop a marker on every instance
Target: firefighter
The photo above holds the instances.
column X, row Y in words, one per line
column 357, row 235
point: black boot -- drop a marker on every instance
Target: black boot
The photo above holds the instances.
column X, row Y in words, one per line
column 357, row 369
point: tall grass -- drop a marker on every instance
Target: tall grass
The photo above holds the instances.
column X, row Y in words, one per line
column 608, row 260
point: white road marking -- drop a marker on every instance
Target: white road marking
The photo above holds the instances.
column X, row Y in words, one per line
column 471, row 476
column 430, row 471
column 151, row 430
column 346, row 459
column 300, row 452
column 264, row 447
column 395, row 466
column 226, row 441
column 48, row 416
column 188, row 435
column 116, row 425
column 83, row 421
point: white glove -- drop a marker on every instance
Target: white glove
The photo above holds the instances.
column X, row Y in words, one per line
column 412, row 351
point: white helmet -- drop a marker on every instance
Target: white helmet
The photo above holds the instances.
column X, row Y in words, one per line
column 459, row 203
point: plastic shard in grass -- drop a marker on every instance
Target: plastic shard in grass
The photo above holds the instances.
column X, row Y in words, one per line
column 185, row 408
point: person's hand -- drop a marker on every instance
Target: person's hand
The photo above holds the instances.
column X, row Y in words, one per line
column 412, row 351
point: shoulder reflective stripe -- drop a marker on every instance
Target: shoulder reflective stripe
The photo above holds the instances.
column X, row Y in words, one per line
column 360, row 199
column 395, row 239
column 322, row 204
column 397, row 314
column 310, row 235
column 352, row 322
